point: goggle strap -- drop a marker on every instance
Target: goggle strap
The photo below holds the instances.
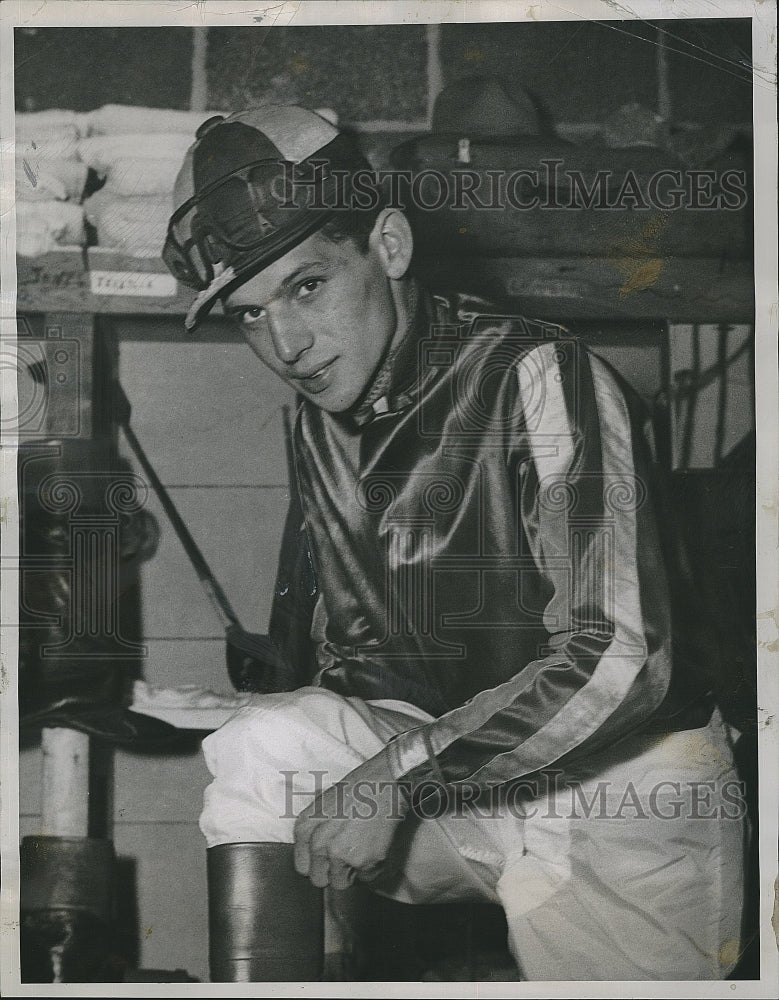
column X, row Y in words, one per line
column 220, row 282
column 204, row 252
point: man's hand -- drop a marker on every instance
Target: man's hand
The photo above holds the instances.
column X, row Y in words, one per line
column 347, row 831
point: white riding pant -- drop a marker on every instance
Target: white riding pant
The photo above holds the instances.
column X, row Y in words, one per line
column 630, row 868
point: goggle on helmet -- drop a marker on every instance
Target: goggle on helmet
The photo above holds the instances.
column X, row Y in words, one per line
column 251, row 188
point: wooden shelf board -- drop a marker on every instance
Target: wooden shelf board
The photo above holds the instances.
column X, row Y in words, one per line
column 677, row 288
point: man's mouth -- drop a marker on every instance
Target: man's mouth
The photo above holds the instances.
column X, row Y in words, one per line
column 318, row 379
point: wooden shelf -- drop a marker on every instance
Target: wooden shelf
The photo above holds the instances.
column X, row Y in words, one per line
column 98, row 281
column 682, row 289
column 678, row 289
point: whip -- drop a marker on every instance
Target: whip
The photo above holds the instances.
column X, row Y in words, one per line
column 253, row 662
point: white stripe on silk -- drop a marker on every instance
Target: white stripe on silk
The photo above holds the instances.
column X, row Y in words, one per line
column 586, row 711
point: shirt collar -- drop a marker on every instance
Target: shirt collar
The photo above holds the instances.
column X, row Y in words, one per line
column 396, row 382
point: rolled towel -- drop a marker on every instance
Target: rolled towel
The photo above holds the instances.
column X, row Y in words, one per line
column 39, row 124
column 189, row 707
column 136, row 178
column 121, row 119
column 44, row 180
column 136, row 165
column 59, row 145
column 136, row 226
column 42, row 226
column 102, row 151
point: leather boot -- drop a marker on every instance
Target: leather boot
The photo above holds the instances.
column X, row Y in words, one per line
column 83, row 535
column 265, row 921
column 66, row 909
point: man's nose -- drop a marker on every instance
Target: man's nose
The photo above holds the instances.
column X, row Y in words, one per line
column 290, row 338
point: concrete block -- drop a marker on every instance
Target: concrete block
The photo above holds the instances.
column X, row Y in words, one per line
column 168, row 864
column 177, row 662
column 163, row 789
column 577, row 71
column 206, row 413
column 30, row 764
column 363, row 72
column 239, row 533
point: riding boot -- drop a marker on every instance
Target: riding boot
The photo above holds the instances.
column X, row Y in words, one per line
column 83, row 535
column 265, row 921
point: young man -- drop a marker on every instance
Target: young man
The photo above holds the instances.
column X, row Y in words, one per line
column 498, row 712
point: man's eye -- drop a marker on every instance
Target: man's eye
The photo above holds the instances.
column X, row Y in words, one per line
column 307, row 288
column 251, row 315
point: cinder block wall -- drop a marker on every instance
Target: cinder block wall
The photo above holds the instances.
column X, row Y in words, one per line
column 208, row 414
column 209, row 417
column 392, row 73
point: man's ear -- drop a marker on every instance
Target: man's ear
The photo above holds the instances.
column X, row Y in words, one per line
column 392, row 240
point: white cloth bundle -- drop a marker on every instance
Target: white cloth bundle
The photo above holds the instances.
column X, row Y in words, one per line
column 121, row 119
column 42, row 226
column 189, row 707
column 58, row 145
column 136, row 226
column 47, row 163
column 38, row 125
column 136, row 165
column 44, row 180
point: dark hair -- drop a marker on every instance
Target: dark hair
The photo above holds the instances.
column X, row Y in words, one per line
column 351, row 222
column 351, row 225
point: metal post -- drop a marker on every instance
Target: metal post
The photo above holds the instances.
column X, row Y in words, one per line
column 198, row 100
column 65, row 783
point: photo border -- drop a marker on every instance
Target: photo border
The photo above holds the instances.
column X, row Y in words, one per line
column 129, row 13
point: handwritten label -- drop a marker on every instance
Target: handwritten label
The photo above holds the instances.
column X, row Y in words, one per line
column 135, row 283
column 545, row 288
column 41, row 278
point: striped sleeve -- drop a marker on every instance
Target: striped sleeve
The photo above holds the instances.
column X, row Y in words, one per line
column 590, row 529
